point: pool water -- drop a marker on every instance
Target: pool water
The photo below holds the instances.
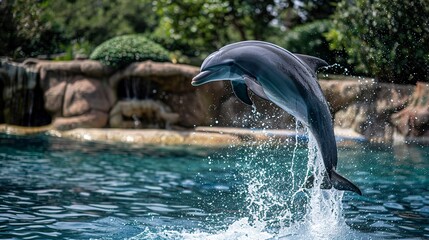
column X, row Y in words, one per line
column 53, row 188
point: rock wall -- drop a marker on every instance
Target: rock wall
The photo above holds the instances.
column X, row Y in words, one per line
column 413, row 120
column 366, row 106
column 76, row 93
column 86, row 94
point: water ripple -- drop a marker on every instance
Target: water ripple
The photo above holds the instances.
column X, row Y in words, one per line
column 54, row 188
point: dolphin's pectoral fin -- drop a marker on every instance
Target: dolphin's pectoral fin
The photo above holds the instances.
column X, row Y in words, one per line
column 255, row 87
column 337, row 181
column 240, row 90
column 341, row 183
column 313, row 62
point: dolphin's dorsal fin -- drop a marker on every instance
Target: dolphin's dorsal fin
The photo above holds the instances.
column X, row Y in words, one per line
column 240, row 90
column 313, row 62
column 255, row 87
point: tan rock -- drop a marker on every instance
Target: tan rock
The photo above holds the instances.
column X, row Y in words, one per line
column 171, row 77
column 196, row 108
column 153, row 137
column 87, row 68
column 91, row 119
column 142, row 114
column 392, row 98
column 342, row 93
column 54, row 98
column 413, row 121
column 83, row 95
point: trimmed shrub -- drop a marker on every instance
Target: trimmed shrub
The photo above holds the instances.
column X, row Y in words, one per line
column 121, row 51
column 388, row 39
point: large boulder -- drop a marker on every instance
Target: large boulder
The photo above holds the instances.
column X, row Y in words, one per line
column 54, row 97
column 75, row 92
column 413, row 120
column 87, row 68
column 91, row 119
column 342, row 93
column 195, row 106
column 365, row 106
column 170, row 77
column 85, row 94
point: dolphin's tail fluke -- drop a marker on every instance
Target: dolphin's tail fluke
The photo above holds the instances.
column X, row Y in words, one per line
column 341, row 183
column 337, row 181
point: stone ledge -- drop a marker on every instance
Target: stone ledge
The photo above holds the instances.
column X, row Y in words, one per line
column 201, row 136
column 18, row 130
column 198, row 137
column 150, row 137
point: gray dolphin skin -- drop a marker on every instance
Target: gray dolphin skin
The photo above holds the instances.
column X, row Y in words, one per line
column 289, row 81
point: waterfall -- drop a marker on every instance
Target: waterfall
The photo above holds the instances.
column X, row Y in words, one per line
column 21, row 95
column 142, row 91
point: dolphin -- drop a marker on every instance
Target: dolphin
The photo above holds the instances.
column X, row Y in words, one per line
column 289, row 81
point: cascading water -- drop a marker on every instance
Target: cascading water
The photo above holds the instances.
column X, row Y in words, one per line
column 138, row 89
column 22, row 96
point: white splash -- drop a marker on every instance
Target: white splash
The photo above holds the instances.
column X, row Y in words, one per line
column 294, row 213
column 323, row 218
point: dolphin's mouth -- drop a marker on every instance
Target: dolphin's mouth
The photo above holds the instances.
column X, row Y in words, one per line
column 203, row 77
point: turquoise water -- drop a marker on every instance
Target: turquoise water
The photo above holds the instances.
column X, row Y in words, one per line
column 52, row 188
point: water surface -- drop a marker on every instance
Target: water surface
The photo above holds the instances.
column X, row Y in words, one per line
column 52, row 188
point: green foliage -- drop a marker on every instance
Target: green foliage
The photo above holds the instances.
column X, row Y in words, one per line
column 30, row 28
column 97, row 21
column 309, row 39
column 386, row 38
column 316, row 9
column 121, row 51
column 73, row 50
column 191, row 29
column 199, row 27
column 23, row 30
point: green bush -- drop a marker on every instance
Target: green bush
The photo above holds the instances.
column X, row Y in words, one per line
column 388, row 39
column 121, row 51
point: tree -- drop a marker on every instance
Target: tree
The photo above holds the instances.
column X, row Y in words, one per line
column 385, row 38
column 290, row 13
column 24, row 32
column 309, row 39
column 93, row 22
column 200, row 26
column 312, row 10
column 33, row 27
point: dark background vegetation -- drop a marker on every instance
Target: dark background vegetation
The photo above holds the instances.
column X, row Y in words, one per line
column 388, row 39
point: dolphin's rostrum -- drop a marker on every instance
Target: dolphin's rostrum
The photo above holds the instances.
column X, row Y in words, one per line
column 286, row 79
